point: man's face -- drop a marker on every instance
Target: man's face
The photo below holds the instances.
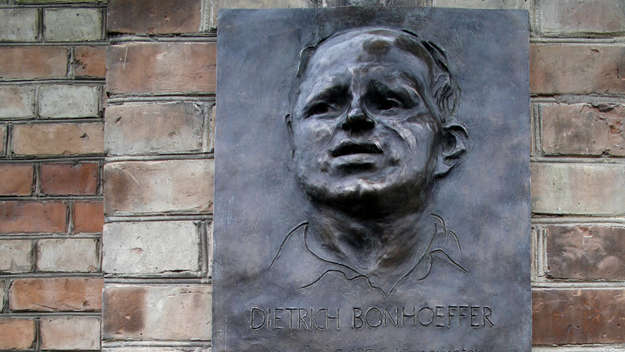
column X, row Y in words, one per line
column 362, row 123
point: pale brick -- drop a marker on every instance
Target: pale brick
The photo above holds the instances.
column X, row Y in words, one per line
column 68, row 101
column 148, row 16
column 70, row 333
column 158, row 186
column 58, row 139
column 583, row 129
column 154, row 128
column 385, row 3
column 72, row 24
column 574, row 17
column 584, row 189
column 67, row 255
column 150, row 247
column 254, row 4
column 577, row 69
column 18, row 334
column 17, row 102
column 161, row 68
column 18, row 25
column 586, row 252
column 31, row 62
column 484, row 4
column 15, row 256
column 56, row 294
column 136, row 312
column 161, row 349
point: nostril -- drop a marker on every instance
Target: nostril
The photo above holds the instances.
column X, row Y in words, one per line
column 357, row 120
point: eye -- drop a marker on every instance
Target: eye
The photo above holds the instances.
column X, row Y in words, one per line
column 387, row 103
column 320, row 108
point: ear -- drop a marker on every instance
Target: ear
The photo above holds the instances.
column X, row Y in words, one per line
column 452, row 147
column 288, row 121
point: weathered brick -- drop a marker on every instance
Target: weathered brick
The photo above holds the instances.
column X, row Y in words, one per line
column 78, row 179
column 15, row 256
column 136, row 312
column 484, row 4
column 30, row 62
column 586, row 69
column 154, row 128
column 583, row 129
column 150, row 247
column 56, row 294
column 18, row 216
column 385, row 3
column 18, row 25
column 574, row 17
column 158, row 186
column 54, row 1
column 16, row 179
column 3, row 287
column 578, row 316
column 58, row 138
column 254, row 4
column 88, row 216
column 68, row 101
column 3, row 133
column 16, row 334
column 72, row 24
column 161, row 349
column 89, row 61
column 161, row 68
column 67, row 255
column 586, row 252
column 585, row 189
column 147, row 16
column 17, row 102
column 70, row 333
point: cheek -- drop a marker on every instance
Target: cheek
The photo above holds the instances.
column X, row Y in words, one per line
column 312, row 135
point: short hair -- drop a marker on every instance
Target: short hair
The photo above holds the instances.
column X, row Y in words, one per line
column 445, row 90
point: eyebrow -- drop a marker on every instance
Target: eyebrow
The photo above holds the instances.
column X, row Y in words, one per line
column 329, row 93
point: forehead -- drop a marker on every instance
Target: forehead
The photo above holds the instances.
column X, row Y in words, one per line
column 395, row 52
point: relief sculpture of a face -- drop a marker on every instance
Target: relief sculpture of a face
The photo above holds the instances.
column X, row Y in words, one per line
column 371, row 131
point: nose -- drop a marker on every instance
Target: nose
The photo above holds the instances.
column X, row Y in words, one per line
column 357, row 120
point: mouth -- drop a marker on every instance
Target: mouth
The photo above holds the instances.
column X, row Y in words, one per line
column 351, row 148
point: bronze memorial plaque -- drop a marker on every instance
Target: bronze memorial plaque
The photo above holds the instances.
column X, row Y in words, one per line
column 372, row 181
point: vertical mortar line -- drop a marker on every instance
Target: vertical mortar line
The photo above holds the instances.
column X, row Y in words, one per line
column 538, row 129
column 70, row 221
column 201, row 232
column 206, row 124
column 34, row 255
column 37, row 334
column 543, row 254
column 40, row 26
column 8, row 141
column 534, row 254
column 100, row 179
column 70, row 66
column 37, row 177
column 104, row 17
column 204, row 16
column 538, row 15
column 36, row 101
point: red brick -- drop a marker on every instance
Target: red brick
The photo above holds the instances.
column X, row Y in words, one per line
column 29, row 62
column 586, row 252
column 88, row 216
column 18, row 334
column 89, row 61
column 583, row 129
column 16, row 179
column 184, row 186
column 58, row 138
column 56, row 294
column 577, row 69
column 17, row 216
column 154, row 17
column 574, row 17
column 578, row 316
column 70, row 333
column 77, row 179
column 161, row 68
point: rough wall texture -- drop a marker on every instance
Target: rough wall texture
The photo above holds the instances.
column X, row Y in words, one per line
column 157, row 177
column 51, row 157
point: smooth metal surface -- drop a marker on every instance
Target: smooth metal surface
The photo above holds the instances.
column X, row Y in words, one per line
column 372, row 181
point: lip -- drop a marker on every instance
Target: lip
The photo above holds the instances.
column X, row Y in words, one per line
column 348, row 147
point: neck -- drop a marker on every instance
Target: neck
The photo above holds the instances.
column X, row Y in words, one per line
column 373, row 244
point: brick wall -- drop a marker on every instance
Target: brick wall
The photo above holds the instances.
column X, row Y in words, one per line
column 51, row 156
column 157, row 176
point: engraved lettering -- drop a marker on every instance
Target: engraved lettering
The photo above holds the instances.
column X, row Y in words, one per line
column 412, row 316
column 486, row 312
column 440, row 314
column 377, row 322
column 451, row 312
column 420, row 315
column 259, row 314
column 475, row 313
column 357, row 320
